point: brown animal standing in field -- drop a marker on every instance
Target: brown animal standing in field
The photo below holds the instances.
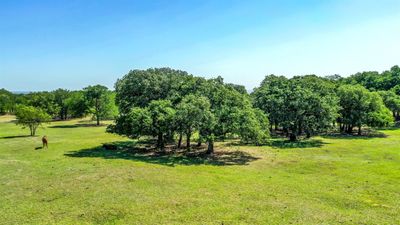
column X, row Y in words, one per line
column 45, row 142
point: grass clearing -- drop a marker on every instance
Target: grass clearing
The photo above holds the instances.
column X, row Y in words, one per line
column 328, row 180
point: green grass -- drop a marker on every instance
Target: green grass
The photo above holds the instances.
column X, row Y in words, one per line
column 330, row 180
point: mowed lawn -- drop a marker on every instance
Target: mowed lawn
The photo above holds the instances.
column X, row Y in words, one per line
column 324, row 181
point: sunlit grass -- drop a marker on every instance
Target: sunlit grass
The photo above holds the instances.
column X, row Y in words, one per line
column 329, row 180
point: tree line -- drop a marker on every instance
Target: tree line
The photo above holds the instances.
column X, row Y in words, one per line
column 33, row 109
column 309, row 105
column 172, row 105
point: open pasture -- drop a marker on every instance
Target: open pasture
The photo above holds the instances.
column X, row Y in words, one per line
column 330, row 180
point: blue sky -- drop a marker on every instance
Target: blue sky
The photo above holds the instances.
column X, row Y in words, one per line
column 71, row 44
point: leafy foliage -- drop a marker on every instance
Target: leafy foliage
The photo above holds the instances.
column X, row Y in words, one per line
column 100, row 102
column 299, row 105
column 6, row 101
column 208, row 107
column 31, row 117
column 361, row 107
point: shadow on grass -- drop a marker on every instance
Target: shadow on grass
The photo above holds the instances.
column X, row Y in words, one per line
column 16, row 136
column 283, row 144
column 132, row 151
column 76, row 126
column 286, row 144
column 369, row 135
column 390, row 128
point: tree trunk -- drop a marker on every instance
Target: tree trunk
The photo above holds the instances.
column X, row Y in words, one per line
column 293, row 137
column 160, row 141
column 308, row 134
column 199, row 142
column 98, row 120
column 210, row 148
column 350, row 129
column 300, row 129
column 286, row 132
column 359, row 130
column 188, row 135
column 180, row 140
column 33, row 128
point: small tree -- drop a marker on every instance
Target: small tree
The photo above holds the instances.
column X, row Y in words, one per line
column 31, row 117
column 100, row 103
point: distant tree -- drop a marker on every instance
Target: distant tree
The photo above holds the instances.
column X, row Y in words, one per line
column 99, row 100
column 31, row 117
column 60, row 99
column 76, row 104
column 44, row 100
column 7, row 101
column 335, row 78
column 361, row 107
column 375, row 81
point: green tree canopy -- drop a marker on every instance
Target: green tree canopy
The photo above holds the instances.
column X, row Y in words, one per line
column 193, row 112
column 305, row 104
column 31, row 117
column 7, row 101
column 162, row 117
column 392, row 102
column 100, row 102
column 211, row 108
column 361, row 107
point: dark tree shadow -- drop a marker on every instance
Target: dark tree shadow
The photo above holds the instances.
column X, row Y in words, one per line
column 367, row 135
column 76, row 126
column 132, row 151
column 284, row 144
column 16, row 136
column 310, row 143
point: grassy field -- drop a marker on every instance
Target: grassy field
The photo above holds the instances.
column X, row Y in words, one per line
column 330, row 180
